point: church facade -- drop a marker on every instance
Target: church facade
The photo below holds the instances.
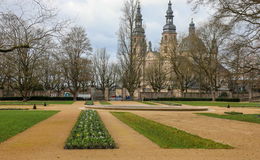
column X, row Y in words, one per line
column 168, row 47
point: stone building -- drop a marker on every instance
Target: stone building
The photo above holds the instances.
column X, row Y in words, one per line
column 168, row 45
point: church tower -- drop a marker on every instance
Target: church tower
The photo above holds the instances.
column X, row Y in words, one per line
column 192, row 28
column 139, row 41
column 169, row 40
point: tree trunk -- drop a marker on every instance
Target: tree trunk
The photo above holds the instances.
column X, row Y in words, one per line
column 75, row 96
column 213, row 95
column 131, row 95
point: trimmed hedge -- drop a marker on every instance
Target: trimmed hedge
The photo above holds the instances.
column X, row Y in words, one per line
column 193, row 99
column 228, row 99
column 40, row 98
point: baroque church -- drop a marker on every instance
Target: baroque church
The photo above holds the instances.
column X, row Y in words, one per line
column 167, row 44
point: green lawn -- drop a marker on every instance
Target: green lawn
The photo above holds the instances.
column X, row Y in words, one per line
column 104, row 103
column 147, row 102
column 13, row 122
column 169, row 103
column 166, row 136
column 89, row 103
column 34, row 102
column 210, row 103
column 254, row 118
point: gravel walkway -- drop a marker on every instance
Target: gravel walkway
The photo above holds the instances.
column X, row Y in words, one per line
column 45, row 140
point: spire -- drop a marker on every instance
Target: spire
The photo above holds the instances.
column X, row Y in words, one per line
column 169, row 26
column 138, row 21
column 192, row 27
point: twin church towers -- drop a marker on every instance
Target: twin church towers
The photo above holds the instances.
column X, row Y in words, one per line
column 169, row 33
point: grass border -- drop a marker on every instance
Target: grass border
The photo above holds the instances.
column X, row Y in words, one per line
column 236, row 117
column 104, row 103
column 166, row 136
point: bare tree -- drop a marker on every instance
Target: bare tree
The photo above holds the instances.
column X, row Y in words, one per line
column 130, row 59
column 243, row 17
column 75, row 45
column 237, row 60
column 103, row 70
column 156, row 74
column 205, row 49
column 14, row 27
column 27, row 37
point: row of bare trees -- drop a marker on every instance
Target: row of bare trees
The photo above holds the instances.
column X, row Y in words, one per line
column 38, row 53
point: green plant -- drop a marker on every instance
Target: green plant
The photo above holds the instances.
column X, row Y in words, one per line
column 166, row 136
column 89, row 132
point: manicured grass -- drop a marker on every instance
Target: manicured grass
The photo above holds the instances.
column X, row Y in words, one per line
column 210, row 103
column 147, row 102
column 89, row 103
column 105, row 103
column 169, row 103
column 166, row 136
column 254, row 118
column 89, row 133
column 13, row 122
column 34, row 102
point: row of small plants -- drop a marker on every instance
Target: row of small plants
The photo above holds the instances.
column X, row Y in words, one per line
column 89, row 133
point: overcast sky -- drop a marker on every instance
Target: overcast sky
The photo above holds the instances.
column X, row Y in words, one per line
column 101, row 18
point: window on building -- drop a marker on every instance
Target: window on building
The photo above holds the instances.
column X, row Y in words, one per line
column 165, row 49
column 165, row 38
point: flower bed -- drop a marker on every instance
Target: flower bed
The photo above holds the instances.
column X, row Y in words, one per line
column 89, row 133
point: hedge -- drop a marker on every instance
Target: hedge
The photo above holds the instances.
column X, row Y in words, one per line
column 40, row 98
column 193, row 99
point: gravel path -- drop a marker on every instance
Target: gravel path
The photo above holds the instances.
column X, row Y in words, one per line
column 45, row 140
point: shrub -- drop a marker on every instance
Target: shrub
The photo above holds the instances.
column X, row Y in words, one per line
column 40, row 98
column 228, row 99
column 89, row 133
column 193, row 99
column 178, row 99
